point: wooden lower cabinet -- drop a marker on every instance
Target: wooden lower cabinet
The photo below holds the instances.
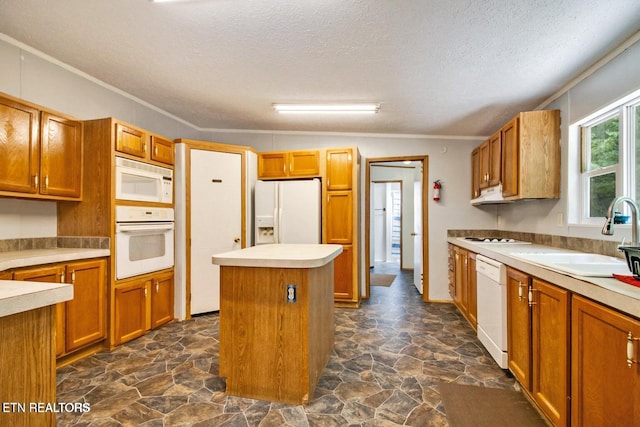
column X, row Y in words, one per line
column 550, row 339
column 343, row 274
column 463, row 288
column 5, row 275
column 82, row 320
column 141, row 304
column 538, row 342
column 519, row 327
column 605, row 387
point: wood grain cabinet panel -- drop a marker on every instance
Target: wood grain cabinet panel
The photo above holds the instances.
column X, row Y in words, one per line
column 519, row 327
column 476, row 174
column 27, row 371
column 162, row 300
column 339, row 217
column 82, row 320
column 162, row 150
column 51, row 274
column 131, row 141
column 339, row 169
column 19, row 139
column 304, row 163
column 40, row 153
column 61, row 156
column 605, row 387
column 130, row 303
column 6, row 275
column 289, row 164
column 343, row 274
column 86, row 313
column 550, row 343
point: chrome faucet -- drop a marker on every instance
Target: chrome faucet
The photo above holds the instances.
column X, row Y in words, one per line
column 607, row 230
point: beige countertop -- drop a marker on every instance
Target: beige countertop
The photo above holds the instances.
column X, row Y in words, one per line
column 609, row 291
column 280, row 256
column 33, row 257
column 19, row 296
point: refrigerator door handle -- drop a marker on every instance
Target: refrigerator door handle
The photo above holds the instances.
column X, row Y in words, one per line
column 279, row 238
column 276, row 225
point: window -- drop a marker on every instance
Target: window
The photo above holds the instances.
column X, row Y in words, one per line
column 610, row 143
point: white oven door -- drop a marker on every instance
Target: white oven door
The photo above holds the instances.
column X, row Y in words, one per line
column 143, row 248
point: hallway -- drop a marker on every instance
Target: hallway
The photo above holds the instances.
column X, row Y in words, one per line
column 390, row 356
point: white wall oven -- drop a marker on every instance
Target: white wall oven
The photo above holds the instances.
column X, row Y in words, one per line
column 143, row 182
column 144, row 240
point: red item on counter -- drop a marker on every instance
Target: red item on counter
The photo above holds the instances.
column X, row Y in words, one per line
column 629, row 280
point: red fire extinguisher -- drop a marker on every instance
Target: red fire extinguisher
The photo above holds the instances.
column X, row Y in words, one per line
column 436, row 190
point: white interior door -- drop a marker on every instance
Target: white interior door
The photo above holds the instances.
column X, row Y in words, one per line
column 379, row 222
column 216, row 221
column 417, row 235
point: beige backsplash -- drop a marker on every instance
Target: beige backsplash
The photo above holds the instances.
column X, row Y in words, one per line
column 12, row 245
column 604, row 247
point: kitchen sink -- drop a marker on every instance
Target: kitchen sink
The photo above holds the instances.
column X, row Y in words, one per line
column 576, row 263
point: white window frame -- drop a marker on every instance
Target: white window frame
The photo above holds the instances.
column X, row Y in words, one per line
column 624, row 169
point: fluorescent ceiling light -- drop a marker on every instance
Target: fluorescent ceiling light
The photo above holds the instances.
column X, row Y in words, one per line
column 327, row 108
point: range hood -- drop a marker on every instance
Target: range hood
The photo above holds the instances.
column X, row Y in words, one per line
column 492, row 195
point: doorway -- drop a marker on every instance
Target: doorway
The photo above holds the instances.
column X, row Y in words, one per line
column 395, row 238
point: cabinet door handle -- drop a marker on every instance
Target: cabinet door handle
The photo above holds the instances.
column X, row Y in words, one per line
column 631, row 349
column 73, row 277
column 144, row 147
column 530, row 297
column 35, row 180
column 521, row 291
column 63, row 277
column 46, row 182
column 155, row 150
column 145, row 291
column 157, row 287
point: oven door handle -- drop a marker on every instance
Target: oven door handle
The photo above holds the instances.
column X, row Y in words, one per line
column 132, row 228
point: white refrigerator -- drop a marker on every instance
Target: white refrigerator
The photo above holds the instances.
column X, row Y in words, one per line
column 287, row 212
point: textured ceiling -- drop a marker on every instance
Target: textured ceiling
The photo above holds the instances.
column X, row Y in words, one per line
column 438, row 67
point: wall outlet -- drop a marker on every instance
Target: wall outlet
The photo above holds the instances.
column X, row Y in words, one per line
column 560, row 219
column 500, row 221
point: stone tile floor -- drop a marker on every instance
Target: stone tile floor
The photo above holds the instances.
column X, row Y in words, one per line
column 390, row 355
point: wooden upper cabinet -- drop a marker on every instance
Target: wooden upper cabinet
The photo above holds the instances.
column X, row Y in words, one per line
column 162, row 150
column 510, row 158
column 531, row 156
column 19, row 146
column 40, row 153
column 475, row 173
column 131, row 141
column 484, row 162
column 61, row 156
column 304, row 163
column 288, row 164
column 272, row 165
column 495, row 159
column 339, row 169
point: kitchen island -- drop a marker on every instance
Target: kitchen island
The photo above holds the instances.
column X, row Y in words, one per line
column 276, row 319
column 27, row 351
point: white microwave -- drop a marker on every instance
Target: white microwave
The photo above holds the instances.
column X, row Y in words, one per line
column 143, row 182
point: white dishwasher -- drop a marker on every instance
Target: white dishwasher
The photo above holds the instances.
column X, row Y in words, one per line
column 492, row 307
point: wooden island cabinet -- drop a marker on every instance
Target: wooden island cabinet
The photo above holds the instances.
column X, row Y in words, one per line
column 27, row 335
column 276, row 319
